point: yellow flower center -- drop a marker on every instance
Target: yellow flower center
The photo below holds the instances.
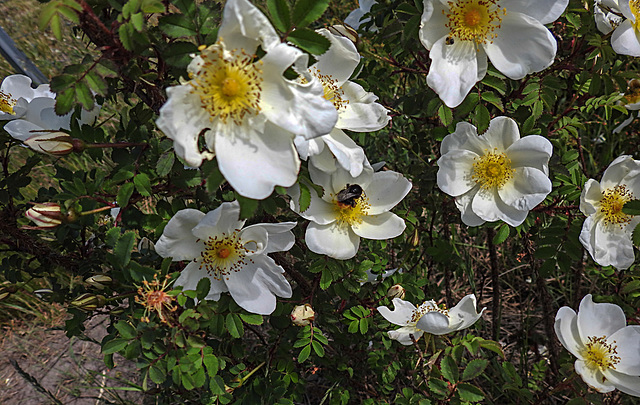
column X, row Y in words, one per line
column 222, row 255
column 6, row 102
column 425, row 308
column 474, row 20
column 600, row 355
column 332, row 92
column 347, row 216
column 228, row 83
column 634, row 5
column 611, row 205
column 492, row 170
column 153, row 296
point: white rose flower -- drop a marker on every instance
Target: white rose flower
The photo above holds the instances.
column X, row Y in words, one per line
column 608, row 351
column 249, row 113
column 497, row 175
column 429, row 317
column 624, row 39
column 16, row 93
column 355, row 20
column 232, row 257
column 461, row 34
column 607, row 15
column 338, row 223
column 606, row 233
column 357, row 109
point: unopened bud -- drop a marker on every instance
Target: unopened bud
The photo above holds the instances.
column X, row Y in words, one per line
column 99, row 281
column 146, row 245
column 396, row 291
column 302, row 315
column 46, row 215
column 89, row 302
column 51, row 143
column 6, row 289
column 347, row 32
column 44, row 294
column 415, row 238
column 403, row 141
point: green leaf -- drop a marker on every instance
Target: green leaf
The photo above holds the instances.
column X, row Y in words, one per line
column 125, row 33
column 493, row 346
column 165, row 163
column 252, row 319
column 469, row 392
column 247, row 206
column 317, row 347
column 157, row 374
column 65, row 101
column 304, row 354
column 212, row 364
column 114, row 346
column 305, row 197
column 309, row 40
column 635, row 237
column 61, row 82
column 143, row 185
column 122, row 251
column 482, row 117
column 177, row 25
column 124, row 194
column 152, row 6
column 307, row 11
column 137, row 20
column 449, row 369
column 502, row 234
column 280, row 14
column 364, row 326
column 445, row 115
column 203, row 288
column 196, row 341
column 632, row 207
column 474, row 369
column 234, row 325
column 96, row 83
column 126, row 330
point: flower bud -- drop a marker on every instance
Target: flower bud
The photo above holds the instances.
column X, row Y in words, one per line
column 45, row 215
column 51, row 143
column 98, row 281
column 302, row 315
column 88, row 302
column 396, row 291
column 347, row 32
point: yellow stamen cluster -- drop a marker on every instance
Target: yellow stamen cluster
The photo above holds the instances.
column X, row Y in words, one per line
column 600, row 355
column 425, row 308
column 222, row 255
column 347, row 216
column 474, row 20
column 492, row 170
column 6, row 102
column 613, row 199
column 332, row 92
column 153, row 296
column 228, row 83
column 634, row 5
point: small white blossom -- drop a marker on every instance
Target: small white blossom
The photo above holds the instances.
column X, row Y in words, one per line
column 607, row 350
column 606, row 233
column 497, row 175
column 232, row 257
column 624, row 39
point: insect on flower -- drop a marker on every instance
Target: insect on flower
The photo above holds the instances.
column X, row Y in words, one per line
column 347, row 197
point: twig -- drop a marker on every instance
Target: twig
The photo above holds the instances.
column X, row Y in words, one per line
column 31, row 380
column 495, row 280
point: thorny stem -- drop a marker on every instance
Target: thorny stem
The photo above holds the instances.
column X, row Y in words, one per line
column 495, row 280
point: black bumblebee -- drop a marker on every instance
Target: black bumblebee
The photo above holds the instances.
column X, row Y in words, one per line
column 449, row 41
column 349, row 195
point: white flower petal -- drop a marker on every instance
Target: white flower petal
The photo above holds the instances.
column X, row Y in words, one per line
column 590, row 197
column 463, row 202
column 340, row 60
column 488, row 205
column 599, row 319
column 434, row 323
column 319, row 211
column 433, row 23
column 21, row 129
column 224, row 219
column 299, row 108
column 531, row 151
column 340, row 178
column 622, row 167
column 624, row 39
column 502, row 133
column 629, row 384
column 254, row 166
column 254, row 239
column 566, row 327
column 177, row 240
column 401, row 314
column 182, row 122
column 463, row 133
column 403, row 335
column 386, row 190
column 612, row 245
column 593, row 377
column 545, row 11
column 522, row 46
column 455, row 170
column 386, row 225
column 332, row 241
column 453, row 71
column 627, row 341
column 253, row 287
column 464, row 314
column 528, row 188
column 348, row 154
column 362, row 113
column 191, row 276
column 281, row 238
column 322, row 179
column 244, row 26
